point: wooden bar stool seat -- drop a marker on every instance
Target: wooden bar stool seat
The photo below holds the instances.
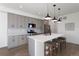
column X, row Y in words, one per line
column 48, row 48
column 54, row 52
column 57, row 46
column 62, row 41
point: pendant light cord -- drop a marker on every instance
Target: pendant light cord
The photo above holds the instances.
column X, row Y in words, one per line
column 59, row 11
column 54, row 9
column 47, row 8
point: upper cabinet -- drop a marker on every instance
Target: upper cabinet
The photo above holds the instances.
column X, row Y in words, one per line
column 12, row 21
column 16, row 21
column 21, row 22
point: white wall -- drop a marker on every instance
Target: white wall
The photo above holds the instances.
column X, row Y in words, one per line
column 3, row 29
column 72, row 36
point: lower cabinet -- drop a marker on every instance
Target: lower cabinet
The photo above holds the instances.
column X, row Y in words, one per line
column 15, row 41
column 22, row 40
column 12, row 41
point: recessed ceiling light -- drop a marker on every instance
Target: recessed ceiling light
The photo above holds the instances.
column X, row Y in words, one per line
column 20, row 6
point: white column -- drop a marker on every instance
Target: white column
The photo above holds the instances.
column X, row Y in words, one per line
column 3, row 29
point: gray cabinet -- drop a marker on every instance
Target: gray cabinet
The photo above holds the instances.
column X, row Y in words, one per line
column 12, row 21
column 22, row 40
column 15, row 41
column 22, row 20
column 16, row 21
column 12, row 41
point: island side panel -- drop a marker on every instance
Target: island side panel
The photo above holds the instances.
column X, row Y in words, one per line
column 39, row 48
column 31, row 47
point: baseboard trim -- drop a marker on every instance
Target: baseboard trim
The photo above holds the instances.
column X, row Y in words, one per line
column 73, row 43
column 3, row 47
column 18, row 46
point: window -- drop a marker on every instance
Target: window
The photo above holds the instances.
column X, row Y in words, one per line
column 69, row 26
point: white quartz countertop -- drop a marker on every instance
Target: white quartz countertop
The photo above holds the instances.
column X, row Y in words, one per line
column 43, row 37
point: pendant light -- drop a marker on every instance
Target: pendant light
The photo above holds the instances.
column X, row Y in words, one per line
column 59, row 19
column 54, row 19
column 47, row 17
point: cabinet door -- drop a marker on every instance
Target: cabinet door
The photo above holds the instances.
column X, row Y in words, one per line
column 12, row 41
column 16, row 41
column 24, row 39
column 21, row 40
column 15, row 20
column 20, row 21
column 26, row 21
column 12, row 20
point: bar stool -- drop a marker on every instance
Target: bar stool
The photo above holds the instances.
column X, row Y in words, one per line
column 48, row 48
column 54, row 51
column 57, row 46
column 62, row 41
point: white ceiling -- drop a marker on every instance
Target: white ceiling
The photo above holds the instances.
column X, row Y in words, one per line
column 40, row 9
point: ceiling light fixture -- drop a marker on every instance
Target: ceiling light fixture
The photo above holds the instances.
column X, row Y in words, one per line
column 54, row 19
column 47, row 17
column 59, row 19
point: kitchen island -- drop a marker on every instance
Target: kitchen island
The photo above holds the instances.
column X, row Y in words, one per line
column 36, row 43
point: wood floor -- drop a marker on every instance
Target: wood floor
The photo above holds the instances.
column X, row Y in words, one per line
column 18, row 51
column 71, row 50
